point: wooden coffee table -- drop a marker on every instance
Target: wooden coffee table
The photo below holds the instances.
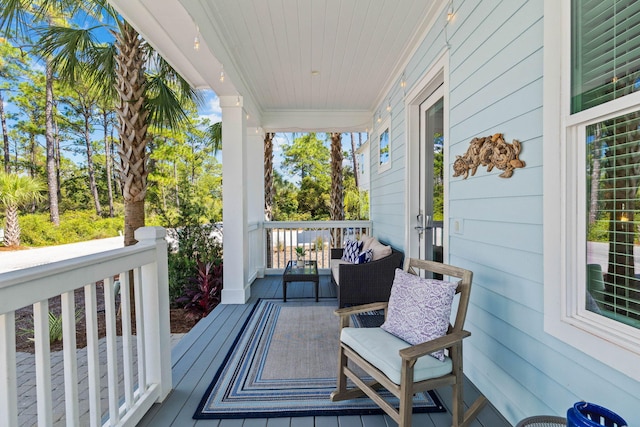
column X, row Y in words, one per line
column 303, row 271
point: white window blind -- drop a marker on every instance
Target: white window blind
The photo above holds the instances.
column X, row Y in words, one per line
column 613, row 218
column 605, row 62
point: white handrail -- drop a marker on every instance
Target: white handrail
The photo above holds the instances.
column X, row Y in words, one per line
column 317, row 237
column 145, row 379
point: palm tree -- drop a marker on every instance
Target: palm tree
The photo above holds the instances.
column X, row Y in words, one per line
column 16, row 191
column 149, row 91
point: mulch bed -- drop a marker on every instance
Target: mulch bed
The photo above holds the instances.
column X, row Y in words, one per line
column 180, row 323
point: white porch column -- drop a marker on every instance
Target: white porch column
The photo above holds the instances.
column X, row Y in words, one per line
column 235, row 241
column 255, row 202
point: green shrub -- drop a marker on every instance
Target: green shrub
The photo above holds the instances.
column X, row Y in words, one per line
column 598, row 232
column 75, row 226
column 195, row 247
column 181, row 269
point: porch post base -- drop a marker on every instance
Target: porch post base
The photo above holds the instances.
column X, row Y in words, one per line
column 236, row 296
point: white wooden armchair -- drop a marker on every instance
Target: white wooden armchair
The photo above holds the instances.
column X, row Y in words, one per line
column 405, row 369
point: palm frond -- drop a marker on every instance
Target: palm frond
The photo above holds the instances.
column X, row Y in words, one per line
column 68, row 48
column 14, row 16
column 164, row 104
column 157, row 64
column 102, row 73
column 101, row 10
column 214, row 136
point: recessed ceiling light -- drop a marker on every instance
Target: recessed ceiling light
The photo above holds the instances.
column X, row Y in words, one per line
column 315, row 73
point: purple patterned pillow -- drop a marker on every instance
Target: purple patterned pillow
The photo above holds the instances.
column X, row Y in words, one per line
column 419, row 309
column 351, row 251
column 365, row 257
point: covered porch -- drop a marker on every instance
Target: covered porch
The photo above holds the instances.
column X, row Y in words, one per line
column 200, row 353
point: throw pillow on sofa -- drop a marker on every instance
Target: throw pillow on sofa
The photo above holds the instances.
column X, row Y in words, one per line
column 364, row 257
column 351, row 251
column 366, row 241
column 379, row 250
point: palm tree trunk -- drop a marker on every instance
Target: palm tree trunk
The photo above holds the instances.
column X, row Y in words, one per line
column 107, row 159
column 5, row 136
column 90, row 167
column 132, row 120
column 268, row 192
column 595, row 175
column 336, row 211
column 355, row 160
column 57, row 157
column 12, row 227
column 52, row 182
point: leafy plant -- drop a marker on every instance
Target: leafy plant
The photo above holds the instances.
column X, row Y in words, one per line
column 204, row 294
column 55, row 327
column 181, row 270
column 300, row 251
column 195, row 243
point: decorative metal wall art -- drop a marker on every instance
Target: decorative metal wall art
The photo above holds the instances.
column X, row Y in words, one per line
column 490, row 151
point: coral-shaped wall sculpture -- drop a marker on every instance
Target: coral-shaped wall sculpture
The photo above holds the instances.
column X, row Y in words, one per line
column 490, row 151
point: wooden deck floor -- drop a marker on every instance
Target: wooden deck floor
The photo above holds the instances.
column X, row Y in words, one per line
column 200, row 353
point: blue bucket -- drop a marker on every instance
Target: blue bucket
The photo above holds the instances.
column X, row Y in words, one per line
column 585, row 414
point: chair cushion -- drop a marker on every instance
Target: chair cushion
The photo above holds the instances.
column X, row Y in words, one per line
column 419, row 309
column 381, row 349
column 365, row 257
column 351, row 251
column 334, row 264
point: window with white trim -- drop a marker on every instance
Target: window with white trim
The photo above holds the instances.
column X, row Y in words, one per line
column 592, row 178
column 605, row 43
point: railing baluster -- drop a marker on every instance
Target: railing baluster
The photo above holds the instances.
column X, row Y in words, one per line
column 112, row 350
column 43, row 362
column 140, row 330
column 8, row 381
column 127, row 356
column 70, row 359
column 146, row 259
column 93, row 355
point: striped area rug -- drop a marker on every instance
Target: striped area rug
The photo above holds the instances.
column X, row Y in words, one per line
column 283, row 364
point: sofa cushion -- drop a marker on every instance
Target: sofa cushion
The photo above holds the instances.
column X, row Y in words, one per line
column 379, row 250
column 381, row 349
column 419, row 309
column 351, row 251
column 334, row 264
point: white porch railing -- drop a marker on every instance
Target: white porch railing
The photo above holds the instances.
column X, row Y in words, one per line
column 142, row 360
column 318, row 237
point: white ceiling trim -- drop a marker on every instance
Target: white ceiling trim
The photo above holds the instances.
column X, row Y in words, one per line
column 317, row 121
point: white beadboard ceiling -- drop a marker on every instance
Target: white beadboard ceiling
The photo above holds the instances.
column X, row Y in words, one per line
column 289, row 60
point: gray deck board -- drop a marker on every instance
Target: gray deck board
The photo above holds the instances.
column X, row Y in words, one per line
column 200, row 353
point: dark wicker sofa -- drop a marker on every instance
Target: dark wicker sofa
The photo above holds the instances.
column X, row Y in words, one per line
column 365, row 283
